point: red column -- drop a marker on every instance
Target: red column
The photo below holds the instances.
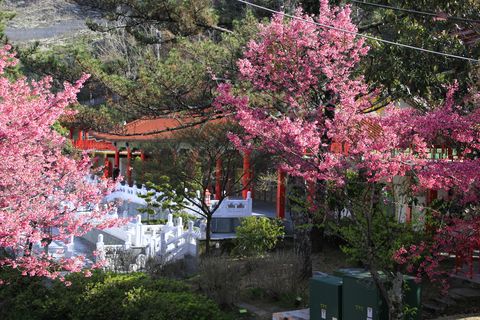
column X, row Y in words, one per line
column 431, row 196
column 218, row 179
column 129, row 168
column 408, row 214
column 252, row 184
column 116, row 163
column 80, row 135
column 106, row 168
column 71, row 133
column 142, row 155
column 246, row 174
column 280, row 194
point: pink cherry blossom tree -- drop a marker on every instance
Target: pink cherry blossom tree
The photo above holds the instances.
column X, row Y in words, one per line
column 41, row 189
column 301, row 93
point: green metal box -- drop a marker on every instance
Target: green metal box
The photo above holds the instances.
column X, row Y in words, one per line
column 325, row 297
column 362, row 299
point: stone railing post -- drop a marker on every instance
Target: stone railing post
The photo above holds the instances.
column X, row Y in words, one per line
column 68, row 248
column 203, row 230
column 138, row 231
column 128, row 242
column 170, row 220
column 163, row 243
column 249, row 202
column 100, row 246
column 179, row 228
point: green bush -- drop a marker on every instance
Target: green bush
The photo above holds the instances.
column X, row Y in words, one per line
column 257, row 235
column 104, row 296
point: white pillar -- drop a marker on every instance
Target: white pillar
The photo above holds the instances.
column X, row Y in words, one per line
column 170, row 220
column 138, row 231
column 100, row 249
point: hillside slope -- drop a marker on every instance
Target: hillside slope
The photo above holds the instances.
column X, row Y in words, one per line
column 48, row 20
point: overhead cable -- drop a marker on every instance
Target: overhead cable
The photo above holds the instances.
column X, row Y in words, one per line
column 423, row 13
column 393, row 43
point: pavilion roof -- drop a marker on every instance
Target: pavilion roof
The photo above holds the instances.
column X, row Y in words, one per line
column 154, row 129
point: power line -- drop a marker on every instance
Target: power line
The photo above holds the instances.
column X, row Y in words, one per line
column 424, row 13
column 361, row 34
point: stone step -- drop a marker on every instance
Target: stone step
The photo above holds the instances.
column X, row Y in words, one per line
column 445, row 300
column 463, row 280
column 435, row 307
column 465, row 292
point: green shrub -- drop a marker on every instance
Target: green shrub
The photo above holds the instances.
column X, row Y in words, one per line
column 104, row 296
column 257, row 235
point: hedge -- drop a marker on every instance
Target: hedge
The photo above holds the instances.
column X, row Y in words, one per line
column 103, row 296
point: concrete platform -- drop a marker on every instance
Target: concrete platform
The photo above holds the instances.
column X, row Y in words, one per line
column 303, row 314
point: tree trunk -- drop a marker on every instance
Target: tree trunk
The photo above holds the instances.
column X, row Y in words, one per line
column 303, row 244
column 394, row 296
column 208, row 235
column 302, row 225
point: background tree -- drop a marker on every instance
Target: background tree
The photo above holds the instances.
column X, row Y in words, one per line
column 303, row 94
column 414, row 76
column 42, row 189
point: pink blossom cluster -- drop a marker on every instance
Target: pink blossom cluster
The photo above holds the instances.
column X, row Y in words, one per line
column 296, row 72
column 41, row 188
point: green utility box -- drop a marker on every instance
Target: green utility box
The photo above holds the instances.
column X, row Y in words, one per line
column 362, row 299
column 325, row 297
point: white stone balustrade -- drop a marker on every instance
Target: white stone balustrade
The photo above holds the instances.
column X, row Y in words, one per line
column 233, row 208
column 127, row 193
column 170, row 241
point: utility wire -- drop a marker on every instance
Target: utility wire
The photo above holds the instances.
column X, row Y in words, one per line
column 424, row 13
column 361, row 34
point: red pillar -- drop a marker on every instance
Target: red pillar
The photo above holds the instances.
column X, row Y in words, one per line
column 431, row 196
column 246, row 174
column 408, row 214
column 252, row 184
column 218, row 179
column 116, row 163
column 280, row 194
column 106, row 168
column 142, row 155
column 129, row 168
column 80, row 135
column 71, row 133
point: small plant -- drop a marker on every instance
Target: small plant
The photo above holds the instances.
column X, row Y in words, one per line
column 257, row 235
